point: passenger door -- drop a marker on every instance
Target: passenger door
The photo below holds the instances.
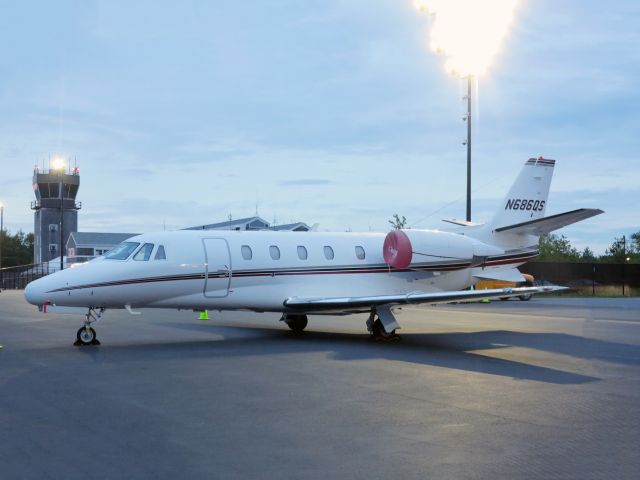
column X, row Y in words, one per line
column 217, row 267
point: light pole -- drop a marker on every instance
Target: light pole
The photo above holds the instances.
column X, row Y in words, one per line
column 59, row 166
column 61, row 218
column 624, row 261
column 468, row 142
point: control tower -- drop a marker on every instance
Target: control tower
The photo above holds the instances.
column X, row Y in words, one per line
column 55, row 210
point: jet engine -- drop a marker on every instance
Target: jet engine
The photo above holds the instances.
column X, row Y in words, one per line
column 409, row 248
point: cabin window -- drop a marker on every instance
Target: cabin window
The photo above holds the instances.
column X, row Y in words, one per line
column 360, row 253
column 160, row 255
column 247, row 254
column 144, row 254
column 122, row 251
column 302, row 252
column 274, row 252
column 328, row 252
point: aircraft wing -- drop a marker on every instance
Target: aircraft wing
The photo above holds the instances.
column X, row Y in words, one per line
column 413, row 298
column 549, row 224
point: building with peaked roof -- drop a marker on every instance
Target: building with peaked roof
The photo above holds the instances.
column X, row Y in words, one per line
column 293, row 227
column 83, row 246
column 252, row 223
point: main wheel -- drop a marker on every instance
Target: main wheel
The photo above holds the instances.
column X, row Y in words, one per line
column 379, row 333
column 297, row 323
column 86, row 336
column 525, row 298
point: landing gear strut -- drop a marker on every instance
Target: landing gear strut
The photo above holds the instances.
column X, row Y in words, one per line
column 86, row 334
column 377, row 329
column 297, row 323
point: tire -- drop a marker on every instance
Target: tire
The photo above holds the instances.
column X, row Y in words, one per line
column 297, row 323
column 504, row 299
column 525, row 298
column 379, row 333
column 86, row 336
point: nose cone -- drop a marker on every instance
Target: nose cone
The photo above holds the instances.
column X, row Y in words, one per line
column 34, row 293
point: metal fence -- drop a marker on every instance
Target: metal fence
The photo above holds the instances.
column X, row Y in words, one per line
column 18, row 277
column 589, row 278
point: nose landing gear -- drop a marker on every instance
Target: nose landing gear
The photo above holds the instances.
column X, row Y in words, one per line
column 86, row 334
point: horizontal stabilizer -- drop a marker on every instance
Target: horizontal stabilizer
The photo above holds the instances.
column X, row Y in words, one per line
column 462, row 223
column 544, row 225
column 511, row 275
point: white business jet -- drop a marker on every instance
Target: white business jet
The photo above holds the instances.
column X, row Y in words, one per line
column 299, row 274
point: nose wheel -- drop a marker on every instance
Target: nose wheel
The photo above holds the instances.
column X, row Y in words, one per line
column 86, row 334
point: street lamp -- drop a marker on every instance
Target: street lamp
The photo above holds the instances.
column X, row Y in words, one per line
column 469, row 34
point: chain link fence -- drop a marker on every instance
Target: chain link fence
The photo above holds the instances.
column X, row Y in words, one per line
column 18, row 277
column 589, row 278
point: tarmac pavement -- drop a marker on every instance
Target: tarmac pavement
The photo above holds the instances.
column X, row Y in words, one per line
column 543, row 389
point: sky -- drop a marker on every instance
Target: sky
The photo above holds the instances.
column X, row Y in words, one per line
column 332, row 111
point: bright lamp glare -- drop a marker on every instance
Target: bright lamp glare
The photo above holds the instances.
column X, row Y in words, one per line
column 468, row 32
column 57, row 163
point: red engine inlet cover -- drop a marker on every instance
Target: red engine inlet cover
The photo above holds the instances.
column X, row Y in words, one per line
column 397, row 250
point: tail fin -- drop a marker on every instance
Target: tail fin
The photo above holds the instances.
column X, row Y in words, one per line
column 527, row 198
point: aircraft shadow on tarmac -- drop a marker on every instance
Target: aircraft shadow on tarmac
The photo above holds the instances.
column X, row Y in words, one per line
column 455, row 350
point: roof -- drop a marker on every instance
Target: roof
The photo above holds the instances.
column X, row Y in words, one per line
column 99, row 238
column 230, row 223
column 300, row 226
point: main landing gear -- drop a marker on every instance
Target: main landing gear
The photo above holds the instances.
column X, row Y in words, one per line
column 86, row 334
column 382, row 325
column 297, row 323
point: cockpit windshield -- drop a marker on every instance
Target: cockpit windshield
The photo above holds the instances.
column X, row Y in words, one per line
column 144, row 253
column 122, row 251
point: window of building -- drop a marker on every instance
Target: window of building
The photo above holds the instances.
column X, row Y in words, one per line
column 302, row 252
column 360, row 253
column 53, row 247
column 274, row 252
column 247, row 254
column 53, row 227
column 144, row 254
column 160, row 255
column 122, row 251
column 328, row 252
column 71, row 252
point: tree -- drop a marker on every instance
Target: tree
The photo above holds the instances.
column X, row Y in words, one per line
column 557, row 248
column 587, row 255
column 617, row 252
column 17, row 249
column 635, row 243
column 398, row 222
column 623, row 248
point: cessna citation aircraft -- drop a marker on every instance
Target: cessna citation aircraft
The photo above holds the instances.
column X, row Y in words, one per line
column 300, row 274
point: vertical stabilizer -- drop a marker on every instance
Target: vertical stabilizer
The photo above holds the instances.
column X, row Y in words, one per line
column 527, row 198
